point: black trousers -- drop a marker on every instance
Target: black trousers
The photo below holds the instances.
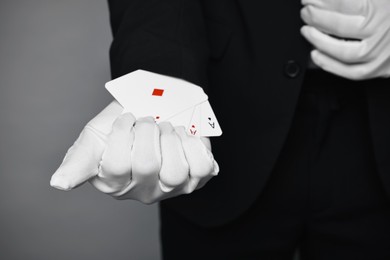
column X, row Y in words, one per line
column 324, row 196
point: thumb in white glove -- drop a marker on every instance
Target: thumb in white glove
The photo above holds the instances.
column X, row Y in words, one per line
column 82, row 160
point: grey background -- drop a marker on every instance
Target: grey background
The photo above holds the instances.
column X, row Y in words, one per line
column 53, row 66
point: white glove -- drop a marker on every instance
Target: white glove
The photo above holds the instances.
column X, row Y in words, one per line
column 330, row 23
column 138, row 160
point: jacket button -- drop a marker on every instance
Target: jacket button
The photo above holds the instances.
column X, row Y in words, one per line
column 291, row 69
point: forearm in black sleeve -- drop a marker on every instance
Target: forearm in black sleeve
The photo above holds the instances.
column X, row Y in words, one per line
column 162, row 36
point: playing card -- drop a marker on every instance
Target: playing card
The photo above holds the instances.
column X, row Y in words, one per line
column 145, row 93
column 199, row 120
column 182, row 103
column 194, row 128
column 209, row 125
column 183, row 118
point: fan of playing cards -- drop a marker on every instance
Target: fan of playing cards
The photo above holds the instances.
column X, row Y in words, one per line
column 165, row 98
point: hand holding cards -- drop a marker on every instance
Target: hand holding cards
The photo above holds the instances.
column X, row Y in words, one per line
column 145, row 158
column 166, row 98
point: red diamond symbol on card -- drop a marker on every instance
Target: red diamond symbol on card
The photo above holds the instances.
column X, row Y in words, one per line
column 157, row 92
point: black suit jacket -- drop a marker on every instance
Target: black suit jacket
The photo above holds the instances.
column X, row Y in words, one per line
column 250, row 59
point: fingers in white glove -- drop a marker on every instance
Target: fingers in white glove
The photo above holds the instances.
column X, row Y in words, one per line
column 203, row 181
column 345, row 51
column 206, row 142
column 146, row 152
column 115, row 166
column 146, row 163
column 174, row 169
column 199, row 158
column 334, row 23
column 185, row 163
column 353, row 7
column 350, row 71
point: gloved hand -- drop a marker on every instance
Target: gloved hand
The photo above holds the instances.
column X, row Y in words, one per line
column 331, row 24
column 136, row 159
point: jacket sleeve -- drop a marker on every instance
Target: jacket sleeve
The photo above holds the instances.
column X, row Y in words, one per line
column 162, row 36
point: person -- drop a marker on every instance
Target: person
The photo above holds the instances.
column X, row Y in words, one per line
column 301, row 91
